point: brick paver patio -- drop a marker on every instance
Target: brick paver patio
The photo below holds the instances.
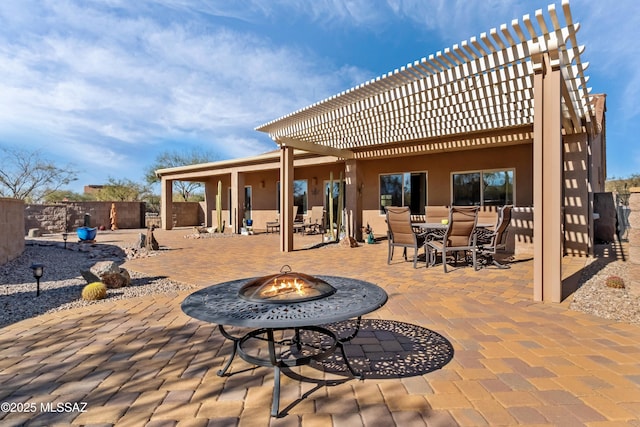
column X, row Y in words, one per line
column 143, row 362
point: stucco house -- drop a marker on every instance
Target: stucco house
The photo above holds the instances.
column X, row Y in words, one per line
column 504, row 118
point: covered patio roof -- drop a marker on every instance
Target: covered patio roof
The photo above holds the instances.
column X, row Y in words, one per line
column 479, row 85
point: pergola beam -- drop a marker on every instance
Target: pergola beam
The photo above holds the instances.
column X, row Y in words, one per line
column 324, row 150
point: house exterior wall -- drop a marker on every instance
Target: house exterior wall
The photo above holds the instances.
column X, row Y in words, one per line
column 439, row 168
column 580, row 153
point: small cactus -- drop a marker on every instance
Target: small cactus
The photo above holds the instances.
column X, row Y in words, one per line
column 615, row 282
column 94, row 291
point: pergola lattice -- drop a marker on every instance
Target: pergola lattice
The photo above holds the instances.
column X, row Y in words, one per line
column 479, row 85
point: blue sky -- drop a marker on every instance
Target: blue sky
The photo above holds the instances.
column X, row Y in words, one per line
column 108, row 85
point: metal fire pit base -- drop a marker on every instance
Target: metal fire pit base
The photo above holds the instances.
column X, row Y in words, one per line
column 323, row 346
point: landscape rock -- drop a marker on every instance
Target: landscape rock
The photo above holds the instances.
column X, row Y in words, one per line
column 349, row 242
column 105, row 267
column 117, row 280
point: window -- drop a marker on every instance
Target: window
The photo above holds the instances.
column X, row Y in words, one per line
column 486, row 188
column 404, row 189
column 300, row 195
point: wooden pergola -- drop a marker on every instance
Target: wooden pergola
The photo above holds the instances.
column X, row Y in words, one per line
column 528, row 74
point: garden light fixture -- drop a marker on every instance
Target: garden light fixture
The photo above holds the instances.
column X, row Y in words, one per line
column 38, row 271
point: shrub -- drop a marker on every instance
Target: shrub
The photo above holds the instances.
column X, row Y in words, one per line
column 94, row 291
column 615, row 282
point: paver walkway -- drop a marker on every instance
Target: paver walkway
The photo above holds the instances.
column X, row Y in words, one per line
column 143, row 362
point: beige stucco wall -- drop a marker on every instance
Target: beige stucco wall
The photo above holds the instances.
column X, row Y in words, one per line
column 11, row 229
column 439, row 168
column 577, row 204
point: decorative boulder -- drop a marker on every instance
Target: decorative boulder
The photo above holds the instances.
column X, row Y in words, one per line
column 111, row 274
column 116, row 280
column 89, row 276
column 104, row 267
column 348, row 242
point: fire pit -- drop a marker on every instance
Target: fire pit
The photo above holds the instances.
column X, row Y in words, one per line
column 286, row 311
column 287, row 286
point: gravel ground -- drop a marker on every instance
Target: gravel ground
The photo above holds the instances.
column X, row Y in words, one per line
column 61, row 284
column 594, row 297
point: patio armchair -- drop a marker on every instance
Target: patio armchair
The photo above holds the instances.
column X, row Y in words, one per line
column 400, row 233
column 315, row 222
column 489, row 242
column 459, row 236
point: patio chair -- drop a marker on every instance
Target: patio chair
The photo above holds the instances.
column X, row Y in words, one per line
column 315, row 222
column 489, row 242
column 400, row 233
column 435, row 214
column 298, row 226
column 488, row 215
column 459, row 236
column 273, row 226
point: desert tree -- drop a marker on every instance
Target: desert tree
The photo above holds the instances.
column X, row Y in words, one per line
column 29, row 176
column 175, row 158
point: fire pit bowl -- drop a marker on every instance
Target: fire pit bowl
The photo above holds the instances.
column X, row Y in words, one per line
column 285, row 287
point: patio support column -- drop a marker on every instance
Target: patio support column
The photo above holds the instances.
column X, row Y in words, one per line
column 166, row 203
column 547, row 177
column 353, row 199
column 210, row 191
column 237, row 200
column 286, row 199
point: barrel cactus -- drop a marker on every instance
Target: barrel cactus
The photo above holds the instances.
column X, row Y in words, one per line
column 615, row 282
column 94, row 291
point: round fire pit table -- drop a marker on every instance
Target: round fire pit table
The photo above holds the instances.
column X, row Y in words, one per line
column 222, row 305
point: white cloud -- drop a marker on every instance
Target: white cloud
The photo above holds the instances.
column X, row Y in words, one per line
column 103, row 77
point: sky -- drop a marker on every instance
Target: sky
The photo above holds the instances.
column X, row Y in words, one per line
column 104, row 87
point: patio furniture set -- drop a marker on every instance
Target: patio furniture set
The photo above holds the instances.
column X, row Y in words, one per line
column 467, row 230
column 311, row 225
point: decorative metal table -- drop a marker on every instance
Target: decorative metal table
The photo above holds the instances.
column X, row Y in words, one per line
column 221, row 305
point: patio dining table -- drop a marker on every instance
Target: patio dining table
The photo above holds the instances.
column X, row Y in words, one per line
column 441, row 226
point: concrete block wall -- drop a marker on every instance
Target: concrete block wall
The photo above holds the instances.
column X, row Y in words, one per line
column 70, row 215
column 187, row 214
column 11, row 229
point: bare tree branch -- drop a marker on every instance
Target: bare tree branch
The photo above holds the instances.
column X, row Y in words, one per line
column 25, row 175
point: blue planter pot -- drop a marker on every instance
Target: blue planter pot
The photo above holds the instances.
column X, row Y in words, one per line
column 87, row 233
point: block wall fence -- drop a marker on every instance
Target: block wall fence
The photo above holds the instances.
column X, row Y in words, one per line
column 11, row 229
column 634, row 237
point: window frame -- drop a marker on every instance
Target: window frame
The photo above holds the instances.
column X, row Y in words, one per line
column 403, row 191
column 305, row 206
column 482, row 172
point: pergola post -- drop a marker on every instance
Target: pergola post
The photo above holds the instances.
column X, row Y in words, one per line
column 353, row 200
column 166, row 205
column 237, row 200
column 286, row 199
column 547, row 178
